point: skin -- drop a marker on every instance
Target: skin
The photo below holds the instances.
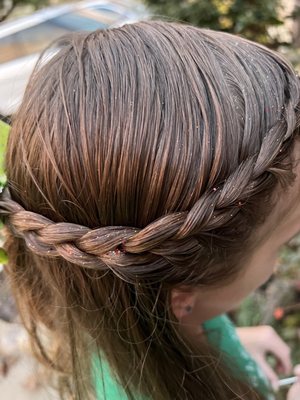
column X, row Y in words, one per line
column 193, row 306
column 279, row 228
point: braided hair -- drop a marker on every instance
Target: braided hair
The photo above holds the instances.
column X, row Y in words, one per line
column 142, row 157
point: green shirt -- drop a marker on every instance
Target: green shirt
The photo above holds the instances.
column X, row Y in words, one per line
column 221, row 333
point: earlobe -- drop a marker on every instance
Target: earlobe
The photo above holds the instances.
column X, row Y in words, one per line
column 188, row 309
column 182, row 302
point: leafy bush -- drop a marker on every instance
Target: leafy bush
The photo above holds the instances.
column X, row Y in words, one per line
column 250, row 18
column 4, row 129
column 8, row 6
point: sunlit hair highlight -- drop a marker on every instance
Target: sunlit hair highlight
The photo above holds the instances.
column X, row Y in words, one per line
column 142, row 158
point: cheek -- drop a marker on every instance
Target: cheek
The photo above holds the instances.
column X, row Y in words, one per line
column 255, row 276
column 260, row 273
column 268, row 269
column 217, row 301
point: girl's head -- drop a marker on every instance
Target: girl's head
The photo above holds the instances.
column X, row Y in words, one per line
column 150, row 167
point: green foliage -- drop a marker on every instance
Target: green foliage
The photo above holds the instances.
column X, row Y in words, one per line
column 6, row 7
column 35, row 3
column 3, row 256
column 4, row 129
column 250, row 18
column 250, row 311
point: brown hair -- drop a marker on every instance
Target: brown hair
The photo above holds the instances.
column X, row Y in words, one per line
column 142, row 158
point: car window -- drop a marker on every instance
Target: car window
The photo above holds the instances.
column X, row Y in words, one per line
column 77, row 22
column 28, row 41
column 108, row 12
column 34, row 39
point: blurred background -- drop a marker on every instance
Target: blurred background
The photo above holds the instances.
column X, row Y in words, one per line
column 26, row 28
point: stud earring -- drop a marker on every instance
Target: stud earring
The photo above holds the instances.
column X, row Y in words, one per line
column 188, row 309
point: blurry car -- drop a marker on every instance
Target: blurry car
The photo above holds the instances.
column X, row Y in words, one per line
column 22, row 40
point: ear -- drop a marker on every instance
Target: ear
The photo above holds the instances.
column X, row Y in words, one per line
column 182, row 302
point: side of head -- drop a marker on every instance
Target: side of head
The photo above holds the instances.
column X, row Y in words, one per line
column 143, row 158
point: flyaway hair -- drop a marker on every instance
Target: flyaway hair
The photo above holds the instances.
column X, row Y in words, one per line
column 142, row 158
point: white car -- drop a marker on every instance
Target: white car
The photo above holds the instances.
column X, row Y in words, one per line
column 22, row 40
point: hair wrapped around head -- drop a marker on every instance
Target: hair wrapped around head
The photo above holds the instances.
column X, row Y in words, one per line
column 175, row 239
column 150, row 152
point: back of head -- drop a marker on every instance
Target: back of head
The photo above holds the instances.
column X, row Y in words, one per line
column 142, row 158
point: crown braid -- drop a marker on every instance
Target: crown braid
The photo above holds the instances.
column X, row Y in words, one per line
column 172, row 238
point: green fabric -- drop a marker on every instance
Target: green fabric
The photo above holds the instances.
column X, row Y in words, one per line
column 107, row 388
column 221, row 334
